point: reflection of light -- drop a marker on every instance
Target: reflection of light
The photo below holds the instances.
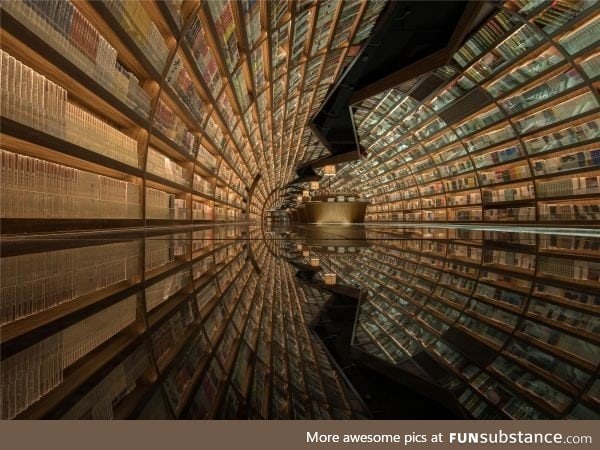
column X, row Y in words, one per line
column 314, row 185
column 329, row 278
column 329, row 170
column 314, row 261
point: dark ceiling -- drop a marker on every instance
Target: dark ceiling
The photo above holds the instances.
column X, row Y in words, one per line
column 407, row 32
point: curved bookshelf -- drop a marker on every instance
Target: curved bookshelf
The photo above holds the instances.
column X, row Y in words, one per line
column 506, row 132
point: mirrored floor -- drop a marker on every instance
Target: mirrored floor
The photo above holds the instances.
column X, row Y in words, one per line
column 325, row 322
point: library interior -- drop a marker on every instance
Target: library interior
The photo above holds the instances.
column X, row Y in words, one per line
column 300, row 209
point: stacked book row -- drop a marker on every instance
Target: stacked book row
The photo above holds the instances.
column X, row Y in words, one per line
column 526, row 192
column 458, row 184
column 574, row 134
column 570, row 211
column 204, row 57
column 163, row 205
column 569, row 108
column 181, row 82
column 542, row 92
column 201, row 211
column 34, row 188
column 497, row 156
column 168, row 335
column 525, row 71
column 164, row 167
column 32, row 99
column 160, row 291
column 497, row 27
column 502, row 175
column 591, row 65
column 34, row 283
column 137, row 24
column 509, row 50
column 33, row 372
column 472, row 198
column 570, row 161
column 569, row 186
column 583, row 37
column 168, row 122
column 63, row 27
column 102, row 400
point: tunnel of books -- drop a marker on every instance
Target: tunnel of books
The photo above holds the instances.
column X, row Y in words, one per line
column 150, row 263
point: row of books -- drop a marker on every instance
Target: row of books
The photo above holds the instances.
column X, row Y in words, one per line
column 582, row 37
column 34, row 283
column 569, row 108
column 542, row 92
column 138, row 25
column 525, row 71
column 201, row 211
column 525, row 192
column 472, row 198
column 570, row 244
column 457, row 184
column 493, row 30
column 179, row 378
column 32, row 99
column 553, row 15
column 169, row 123
column 161, row 251
column 519, row 214
column 497, row 156
column 162, row 290
column 182, row 84
column 591, row 65
column 575, row 270
column 579, row 348
column 65, row 29
column 565, row 162
column 103, row 399
column 164, row 167
column 522, row 261
column 568, row 186
column 581, row 132
column 574, row 210
column 501, row 175
column 166, row 337
column 34, row 188
column 31, row 373
column 510, row 49
column 164, row 205
column 202, row 185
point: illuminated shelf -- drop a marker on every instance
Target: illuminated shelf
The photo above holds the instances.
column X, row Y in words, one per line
column 513, row 116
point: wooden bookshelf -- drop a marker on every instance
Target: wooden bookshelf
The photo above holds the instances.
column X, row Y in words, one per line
column 475, row 143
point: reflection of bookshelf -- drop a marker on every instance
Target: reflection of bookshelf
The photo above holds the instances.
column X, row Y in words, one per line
column 81, row 307
column 527, row 304
column 517, row 104
column 216, row 341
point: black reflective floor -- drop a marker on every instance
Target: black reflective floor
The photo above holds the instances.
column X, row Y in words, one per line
column 328, row 322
